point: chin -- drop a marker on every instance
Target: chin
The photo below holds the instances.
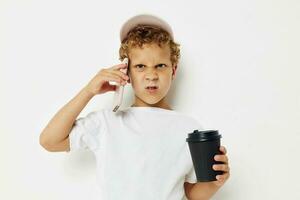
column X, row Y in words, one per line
column 152, row 100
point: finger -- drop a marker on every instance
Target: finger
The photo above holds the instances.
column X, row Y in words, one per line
column 221, row 178
column 222, row 158
column 114, row 78
column 119, row 66
column 224, row 176
column 219, row 182
column 223, row 149
column 116, row 74
column 224, row 168
column 121, row 74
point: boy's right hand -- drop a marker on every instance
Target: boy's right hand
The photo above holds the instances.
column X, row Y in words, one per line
column 100, row 83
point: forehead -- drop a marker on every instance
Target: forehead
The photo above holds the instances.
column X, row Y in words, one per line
column 150, row 51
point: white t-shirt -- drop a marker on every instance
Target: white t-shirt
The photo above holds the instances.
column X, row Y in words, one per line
column 141, row 152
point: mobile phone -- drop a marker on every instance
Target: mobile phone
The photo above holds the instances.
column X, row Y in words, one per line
column 118, row 96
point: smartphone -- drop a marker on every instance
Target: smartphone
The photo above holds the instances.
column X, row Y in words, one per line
column 118, row 96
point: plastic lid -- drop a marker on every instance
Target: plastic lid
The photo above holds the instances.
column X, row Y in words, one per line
column 201, row 136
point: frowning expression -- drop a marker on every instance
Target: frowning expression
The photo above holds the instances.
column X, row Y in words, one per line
column 151, row 66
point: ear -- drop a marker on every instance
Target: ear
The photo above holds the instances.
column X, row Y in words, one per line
column 128, row 74
column 174, row 68
column 128, row 70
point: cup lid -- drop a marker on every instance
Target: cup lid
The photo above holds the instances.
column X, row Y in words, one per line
column 201, row 136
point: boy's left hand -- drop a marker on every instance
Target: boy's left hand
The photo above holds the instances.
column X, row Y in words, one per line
column 221, row 179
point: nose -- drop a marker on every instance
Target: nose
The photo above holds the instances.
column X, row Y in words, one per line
column 152, row 75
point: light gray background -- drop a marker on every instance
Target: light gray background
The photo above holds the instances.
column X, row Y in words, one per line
column 238, row 74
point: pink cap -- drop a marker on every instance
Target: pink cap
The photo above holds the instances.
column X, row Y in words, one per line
column 145, row 19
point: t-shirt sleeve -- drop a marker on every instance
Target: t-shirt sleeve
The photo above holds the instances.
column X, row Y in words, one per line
column 191, row 176
column 86, row 132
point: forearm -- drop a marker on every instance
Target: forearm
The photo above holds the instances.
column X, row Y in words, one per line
column 203, row 191
column 61, row 124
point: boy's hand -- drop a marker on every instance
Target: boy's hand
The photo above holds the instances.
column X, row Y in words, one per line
column 221, row 179
column 100, row 83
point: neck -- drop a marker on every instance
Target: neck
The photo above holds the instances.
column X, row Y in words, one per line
column 161, row 104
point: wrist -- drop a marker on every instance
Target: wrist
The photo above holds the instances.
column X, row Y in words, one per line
column 203, row 190
column 87, row 92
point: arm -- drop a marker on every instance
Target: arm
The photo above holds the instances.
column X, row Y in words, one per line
column 205, row 190
column 55, row 137
column 201, row 190
column 59, row 127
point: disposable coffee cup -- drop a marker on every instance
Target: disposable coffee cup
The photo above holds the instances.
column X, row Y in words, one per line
column 204, row 145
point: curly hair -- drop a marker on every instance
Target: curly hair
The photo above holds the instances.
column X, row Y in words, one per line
column 146, row 34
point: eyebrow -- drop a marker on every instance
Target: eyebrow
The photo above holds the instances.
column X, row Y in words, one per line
column 146, row 65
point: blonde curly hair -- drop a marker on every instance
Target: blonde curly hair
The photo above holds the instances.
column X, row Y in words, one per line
column 146, row 34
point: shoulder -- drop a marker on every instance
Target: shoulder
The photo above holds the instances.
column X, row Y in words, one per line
column 93, row 117
column 106, row 113
column 95, row 114
column 191, row 120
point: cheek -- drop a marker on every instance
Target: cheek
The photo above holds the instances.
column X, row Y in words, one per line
column 168, row 76
column 167, row 81
column 135, row 81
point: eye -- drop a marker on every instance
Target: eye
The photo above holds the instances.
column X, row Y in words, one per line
column 162, row 65
column 138, row 66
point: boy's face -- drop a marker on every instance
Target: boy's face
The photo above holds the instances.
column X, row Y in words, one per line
column 151, row 66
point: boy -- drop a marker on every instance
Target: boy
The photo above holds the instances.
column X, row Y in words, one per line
column 141, row 151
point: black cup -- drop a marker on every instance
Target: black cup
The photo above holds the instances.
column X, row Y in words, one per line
column 204, row 145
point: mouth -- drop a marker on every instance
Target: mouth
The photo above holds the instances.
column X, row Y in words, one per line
column 151, row 88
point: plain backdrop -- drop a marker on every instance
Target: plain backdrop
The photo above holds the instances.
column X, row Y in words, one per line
column 239, row 73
